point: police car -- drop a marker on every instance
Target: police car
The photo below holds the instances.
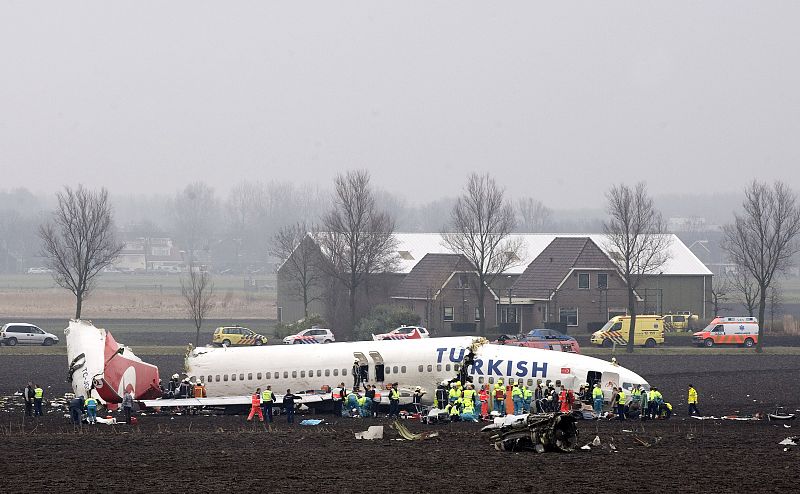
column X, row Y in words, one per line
column 403, row 333
column 313, row 335
column 237, row 335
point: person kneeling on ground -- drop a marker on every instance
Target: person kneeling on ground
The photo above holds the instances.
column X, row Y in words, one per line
column 453, row 411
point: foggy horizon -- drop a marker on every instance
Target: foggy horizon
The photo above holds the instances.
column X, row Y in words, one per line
column 553, row 102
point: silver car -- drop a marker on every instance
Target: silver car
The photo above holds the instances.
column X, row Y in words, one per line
column 21, row 333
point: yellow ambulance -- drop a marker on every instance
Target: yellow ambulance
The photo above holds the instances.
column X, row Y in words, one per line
column 649, row 332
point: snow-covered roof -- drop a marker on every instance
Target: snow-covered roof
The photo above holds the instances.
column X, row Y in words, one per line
column 412, row 247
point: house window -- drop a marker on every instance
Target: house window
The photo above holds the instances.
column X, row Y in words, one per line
column 477, row 313
column 602, row 281
column 568, row 316
column 508, row 314
column 448, row 314
column 463, row 281
column 583, row 281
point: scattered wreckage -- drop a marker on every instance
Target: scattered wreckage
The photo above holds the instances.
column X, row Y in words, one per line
column 539, row 432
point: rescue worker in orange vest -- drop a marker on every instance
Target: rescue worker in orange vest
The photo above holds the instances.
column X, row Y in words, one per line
column 255, row 406
column 483, row 395
column 563, row 401
column 499, row 396
column 376, row 401
column 199, row 389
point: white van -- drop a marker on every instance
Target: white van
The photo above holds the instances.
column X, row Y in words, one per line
column 728, row 331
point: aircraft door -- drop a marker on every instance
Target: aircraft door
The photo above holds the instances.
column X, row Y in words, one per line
column 363, row 367
column 610, row 381
column 379, row 366
column 593, row 377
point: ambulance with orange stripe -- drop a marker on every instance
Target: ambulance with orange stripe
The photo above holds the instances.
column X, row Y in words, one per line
column 728, row 331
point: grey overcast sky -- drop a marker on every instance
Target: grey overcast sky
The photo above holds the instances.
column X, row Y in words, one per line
column 556, row 99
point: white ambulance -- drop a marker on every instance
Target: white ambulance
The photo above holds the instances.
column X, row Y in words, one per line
column 728, row 331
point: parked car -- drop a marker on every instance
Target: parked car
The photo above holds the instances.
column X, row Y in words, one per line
column 237, row 335
column 39, row 270
column 313, row 335
column 403, row 333
column 21, row 333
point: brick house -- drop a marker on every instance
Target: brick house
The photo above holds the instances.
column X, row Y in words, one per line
column 572, row 281
column 441, row 289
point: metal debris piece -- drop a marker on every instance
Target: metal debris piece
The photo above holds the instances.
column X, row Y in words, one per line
column 539, row 432
column 407, row 434
column 790, row 441
column 373, row 432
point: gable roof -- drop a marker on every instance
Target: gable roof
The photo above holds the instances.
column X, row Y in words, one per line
column 548, row 271
column 412, row 247
column 430, row 274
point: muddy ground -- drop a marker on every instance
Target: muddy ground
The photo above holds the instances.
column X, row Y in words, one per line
column 205, row 454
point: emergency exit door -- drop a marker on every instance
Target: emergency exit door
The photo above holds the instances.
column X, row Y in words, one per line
column 379, row 366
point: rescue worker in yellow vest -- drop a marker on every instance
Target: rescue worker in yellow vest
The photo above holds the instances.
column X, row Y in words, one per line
column 527, row 396
column 38, row 395
column 597, row 400
column 621, row 404
column 255, row 406
column 692, row 401
column 468, row 397
column 267, row 400
column 453, row 394
column 91, row 409
column 499, row 396
column 454, row 410
column 394, row 401
column 516, row 397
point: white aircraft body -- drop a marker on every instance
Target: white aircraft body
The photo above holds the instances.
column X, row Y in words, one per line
column 232, row 374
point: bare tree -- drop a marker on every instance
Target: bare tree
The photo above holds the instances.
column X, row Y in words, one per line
column 80, row 241
column 197, row 289
column 764, row 238
column 720, row 293
column 534, row 215
column 480, row 226
column 294, row 245
column 745, row 285
column 195, row 211
column 358, row 239
column 775, row 300
column 637, row 239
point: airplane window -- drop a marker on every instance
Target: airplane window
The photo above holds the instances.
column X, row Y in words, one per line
column 225, row 377
column 480, row 380
column 627, row 385
column 302, row 373
column 209, row 379
column 268, row 375
column 311, row 373
column 327, row 372
column 277, row 374
column 394, row 370
column 388, row 370
column 439, row 367
column 216, row 378
column 233, row 377
column 258, row 376
column 558, row 382
column 491, row 380
column 420, row 368
column 530, row 382
column 430, row 368
column 294, row 373
column 403, row 369
column 447, row 367
column 249, row 376
column 241, row 377
column 456, row 366
column 344, row 372
column 335, row 372
column 319, row 372
column 285, row 374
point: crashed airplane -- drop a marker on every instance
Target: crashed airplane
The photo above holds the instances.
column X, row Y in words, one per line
column 230, row 374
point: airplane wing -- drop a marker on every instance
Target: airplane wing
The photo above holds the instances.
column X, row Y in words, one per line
column 221, row 401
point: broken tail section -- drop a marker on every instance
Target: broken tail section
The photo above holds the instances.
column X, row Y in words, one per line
column 101, row 366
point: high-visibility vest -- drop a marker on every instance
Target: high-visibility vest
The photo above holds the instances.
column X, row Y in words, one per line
column 635, row 394
column 454, row 394
column 38, row 393
column 469, row 395
column 483, row 395
column 621, row 397
column 199, row 391
column 692, row 395
column 651, row 395
column 394, row 395
column 516, row 391
column 597, row 393
column 90, row 402
column 255, row 400
column 377, row 395
column 499, row 391
column 526, row 393
column 266, row 395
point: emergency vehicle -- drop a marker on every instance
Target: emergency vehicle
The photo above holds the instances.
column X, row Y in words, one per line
column 237, row 335
column 728, row 331
column 649, row 332
column 680, row 321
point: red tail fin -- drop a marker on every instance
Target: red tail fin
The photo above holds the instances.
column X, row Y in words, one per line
column 126, row 372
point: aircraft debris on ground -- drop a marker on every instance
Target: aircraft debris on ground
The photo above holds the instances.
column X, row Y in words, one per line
column 539, row 432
